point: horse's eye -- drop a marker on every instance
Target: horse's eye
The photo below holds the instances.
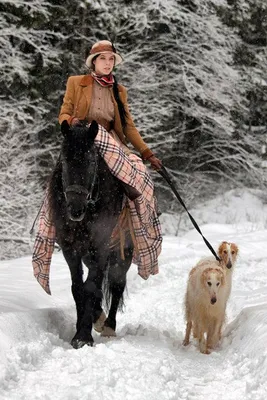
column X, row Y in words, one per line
column 218, row 284
column 209, row 283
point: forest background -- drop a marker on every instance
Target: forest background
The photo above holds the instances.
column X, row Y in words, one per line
column 196, row 76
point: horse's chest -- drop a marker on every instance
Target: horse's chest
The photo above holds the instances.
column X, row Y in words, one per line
column 78, row 236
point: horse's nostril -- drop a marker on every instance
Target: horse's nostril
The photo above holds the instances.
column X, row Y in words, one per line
column 77, row 217
column 76, row 214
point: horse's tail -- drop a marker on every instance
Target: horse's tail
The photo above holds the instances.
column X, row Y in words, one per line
column 114, row 282
column 113, row 287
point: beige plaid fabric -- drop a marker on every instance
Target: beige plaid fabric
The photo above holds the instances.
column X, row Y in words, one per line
column 44, row 247
column 131, row 170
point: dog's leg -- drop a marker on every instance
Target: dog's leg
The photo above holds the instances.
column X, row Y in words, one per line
column 220, row 326
column 203, row 343
column 211, row 340
column 187, row 333
column 217, row 332
column 214, row 333
column 220, row 332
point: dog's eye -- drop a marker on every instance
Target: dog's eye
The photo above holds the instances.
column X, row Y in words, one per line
column 209, row 283
column 218, row 284
column 225, row 251
column 233, row 252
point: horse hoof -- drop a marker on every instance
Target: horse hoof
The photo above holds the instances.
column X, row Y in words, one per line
column 99, row 324
column 78, row 344
column 108, row 332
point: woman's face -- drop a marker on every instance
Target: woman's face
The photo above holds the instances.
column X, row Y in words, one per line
column 104, row 63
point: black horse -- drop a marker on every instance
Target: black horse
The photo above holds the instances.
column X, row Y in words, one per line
column 85, row 202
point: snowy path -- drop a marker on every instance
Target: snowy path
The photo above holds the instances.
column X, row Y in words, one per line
column 147, row 360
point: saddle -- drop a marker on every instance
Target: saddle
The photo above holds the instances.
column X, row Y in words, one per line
column 123, row 229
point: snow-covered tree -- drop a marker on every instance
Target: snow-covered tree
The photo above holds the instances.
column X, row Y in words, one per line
column 249, row 20
column 25, row 49
column 184, row 88
column 196, row 89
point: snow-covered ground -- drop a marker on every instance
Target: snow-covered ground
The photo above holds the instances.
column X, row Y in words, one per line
column 147, row 360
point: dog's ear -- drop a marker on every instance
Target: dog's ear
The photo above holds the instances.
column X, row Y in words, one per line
column 65, row 128
column 203, row 277
column 234, row 248
column 221, row 248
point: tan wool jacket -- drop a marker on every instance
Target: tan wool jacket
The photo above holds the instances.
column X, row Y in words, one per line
column 76, row 104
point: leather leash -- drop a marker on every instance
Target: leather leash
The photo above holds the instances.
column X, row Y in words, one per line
column 163, row 172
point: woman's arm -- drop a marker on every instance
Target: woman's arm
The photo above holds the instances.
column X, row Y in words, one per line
column 67, row 108
column 134, row 136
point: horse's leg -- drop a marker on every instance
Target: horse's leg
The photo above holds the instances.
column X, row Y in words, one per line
column 92, row 295
column 99, row 315
column 116, row 281
column 99, row 320
column 76, row 271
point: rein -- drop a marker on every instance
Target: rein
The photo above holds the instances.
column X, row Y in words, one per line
column 163, row 172
column 91, row 202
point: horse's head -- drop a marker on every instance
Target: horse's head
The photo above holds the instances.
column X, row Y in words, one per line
column 79, row 159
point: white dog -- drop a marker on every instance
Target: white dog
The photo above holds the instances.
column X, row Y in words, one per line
column 208, row 289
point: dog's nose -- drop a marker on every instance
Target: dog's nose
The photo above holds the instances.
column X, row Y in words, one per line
column 229, row 265
column 213, row 300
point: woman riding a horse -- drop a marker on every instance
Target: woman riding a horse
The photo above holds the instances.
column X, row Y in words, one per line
column 98, row 97
column 95, row 106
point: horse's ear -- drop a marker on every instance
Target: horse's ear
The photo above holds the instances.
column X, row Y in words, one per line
column 65, row 128
column 93, row 129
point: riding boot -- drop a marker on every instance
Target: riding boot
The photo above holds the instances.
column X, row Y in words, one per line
column 130, row 191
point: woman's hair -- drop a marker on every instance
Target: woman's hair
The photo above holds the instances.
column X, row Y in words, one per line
column 93, row 65
column 121, row 108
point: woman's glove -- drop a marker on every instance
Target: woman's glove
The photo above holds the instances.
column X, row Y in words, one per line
column 155, row 162
column 78, row 122
column 75, row 121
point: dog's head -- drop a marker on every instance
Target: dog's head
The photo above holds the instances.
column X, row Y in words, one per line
column 213, row 279
column 228, row 253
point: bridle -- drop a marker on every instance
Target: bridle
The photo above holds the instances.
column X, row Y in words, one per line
column 90, row 200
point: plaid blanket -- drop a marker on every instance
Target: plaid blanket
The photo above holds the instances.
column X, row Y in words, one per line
column 131, row 170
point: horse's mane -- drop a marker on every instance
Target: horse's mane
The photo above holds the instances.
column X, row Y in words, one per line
column 74, row 145
column 77, row 142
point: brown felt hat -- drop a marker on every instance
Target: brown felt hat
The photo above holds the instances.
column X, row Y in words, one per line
column 101, row 47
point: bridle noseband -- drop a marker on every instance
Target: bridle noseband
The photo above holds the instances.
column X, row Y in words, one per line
column 90, row 201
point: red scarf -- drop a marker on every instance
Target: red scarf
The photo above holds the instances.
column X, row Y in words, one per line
column 103, row 80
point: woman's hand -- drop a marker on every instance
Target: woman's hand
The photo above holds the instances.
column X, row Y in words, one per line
column 155, row 162
column 75, row 121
